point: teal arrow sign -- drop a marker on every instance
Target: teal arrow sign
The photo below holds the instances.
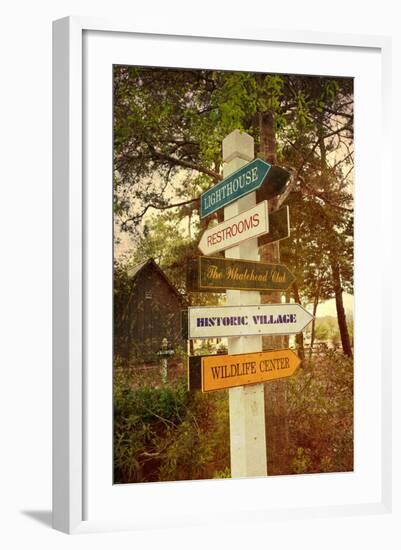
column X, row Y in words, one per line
column 238, row 184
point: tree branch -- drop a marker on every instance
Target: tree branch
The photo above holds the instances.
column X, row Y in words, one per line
column 342, row 160
column 138, row 217
column 185, row 164
column 323, row 197
column 290, row 186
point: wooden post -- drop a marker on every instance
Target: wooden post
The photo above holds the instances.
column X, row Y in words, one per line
column 247, row 406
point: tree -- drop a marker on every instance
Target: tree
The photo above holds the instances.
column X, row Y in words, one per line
column 169, row 125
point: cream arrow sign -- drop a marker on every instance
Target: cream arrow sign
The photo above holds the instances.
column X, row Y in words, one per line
column 247, row 225
column 218, row 321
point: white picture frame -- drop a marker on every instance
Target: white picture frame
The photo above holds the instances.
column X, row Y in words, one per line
column 72, row 256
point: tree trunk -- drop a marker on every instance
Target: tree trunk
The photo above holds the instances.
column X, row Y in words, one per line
column 315, row 304
column 277, row 435
column 267, row 135
column 342, row 321
column 299, row 338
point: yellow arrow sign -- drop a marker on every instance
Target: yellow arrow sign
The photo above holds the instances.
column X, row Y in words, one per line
column 227, row 371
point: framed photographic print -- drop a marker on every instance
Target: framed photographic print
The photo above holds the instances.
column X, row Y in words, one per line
column 219, row 270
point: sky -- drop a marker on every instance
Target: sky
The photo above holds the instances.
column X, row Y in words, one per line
column 329, row 306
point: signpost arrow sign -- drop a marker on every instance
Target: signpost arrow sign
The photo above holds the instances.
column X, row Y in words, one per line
column 218, row 372
column 273, row 184
column 249, row 224
column 218, row 321
column 238, row 184
column 220, row 274
column 279, row 226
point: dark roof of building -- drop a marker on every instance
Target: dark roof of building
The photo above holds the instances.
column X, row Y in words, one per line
column 133, row 272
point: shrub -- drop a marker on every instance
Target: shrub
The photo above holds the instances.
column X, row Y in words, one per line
column 168, row 433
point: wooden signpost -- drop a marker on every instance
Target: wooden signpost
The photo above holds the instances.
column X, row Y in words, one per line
column 262, row 319
column 246, row 403
column 206, row 274
column 246, row 225
column 247, row 186
column 218, row 372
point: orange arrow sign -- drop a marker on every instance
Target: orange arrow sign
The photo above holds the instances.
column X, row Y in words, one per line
column 218, row 372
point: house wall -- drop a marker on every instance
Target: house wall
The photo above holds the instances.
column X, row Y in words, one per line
column 149, row 312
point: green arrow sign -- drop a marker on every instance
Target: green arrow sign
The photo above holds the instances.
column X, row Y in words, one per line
column 207, row 274
column 245, row 180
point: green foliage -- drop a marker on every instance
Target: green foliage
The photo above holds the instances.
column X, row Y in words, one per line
column 166, row 243
column 167, row 433
column 320, row 415
column 323, row 331
column 223, row 474
column 301, row 462
column 327, row 329
column 168, row 128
